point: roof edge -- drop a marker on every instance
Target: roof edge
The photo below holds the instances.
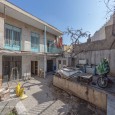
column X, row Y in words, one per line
column 13, row 6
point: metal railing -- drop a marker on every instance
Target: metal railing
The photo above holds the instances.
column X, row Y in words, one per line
column 12, row 44
column 54, row 50
column 15, row 45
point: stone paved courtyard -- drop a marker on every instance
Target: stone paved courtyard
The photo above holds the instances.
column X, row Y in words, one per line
column 45, row 99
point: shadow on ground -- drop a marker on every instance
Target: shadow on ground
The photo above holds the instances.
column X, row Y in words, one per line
column 45, row 99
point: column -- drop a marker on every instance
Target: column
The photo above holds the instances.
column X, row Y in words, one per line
column 45, row 51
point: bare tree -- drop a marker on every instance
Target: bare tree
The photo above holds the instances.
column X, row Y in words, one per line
column 110, row 5
column 75, row 36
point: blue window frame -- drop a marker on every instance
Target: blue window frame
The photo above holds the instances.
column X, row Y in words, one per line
column 12, row 37
column 35, row 42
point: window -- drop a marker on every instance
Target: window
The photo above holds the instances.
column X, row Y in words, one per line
column 8, row 39
column 50, row 43
column 34, row 41
column 12, row 37
column 16, row 38
column 50, row 46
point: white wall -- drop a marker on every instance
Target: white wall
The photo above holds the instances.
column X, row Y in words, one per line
column 41, row 62
column 100, row 34
column 1, row 32
column 26, row 34
column 94, row 57
column 26, row 64
column 0, row 66
column 1, row 42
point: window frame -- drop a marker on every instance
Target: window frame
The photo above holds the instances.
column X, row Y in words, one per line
column 12, row 31
column 35, row 46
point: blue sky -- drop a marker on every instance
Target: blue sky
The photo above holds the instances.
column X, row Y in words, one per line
column 89, row 15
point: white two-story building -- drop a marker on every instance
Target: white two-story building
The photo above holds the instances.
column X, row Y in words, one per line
column 26, row 43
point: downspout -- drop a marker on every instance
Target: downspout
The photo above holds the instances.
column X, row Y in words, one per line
column 45, row 51
column 3, row 44
column 45, row 48
column 4, row 23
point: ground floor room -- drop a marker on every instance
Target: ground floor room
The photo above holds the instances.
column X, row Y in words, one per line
column 14, row 67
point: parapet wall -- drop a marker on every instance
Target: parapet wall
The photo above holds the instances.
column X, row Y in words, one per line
column 92, row 95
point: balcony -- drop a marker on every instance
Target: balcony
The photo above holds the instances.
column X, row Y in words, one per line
column 35, row 48
column 12, row 45
column 54, row 50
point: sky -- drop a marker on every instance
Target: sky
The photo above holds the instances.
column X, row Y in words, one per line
column 89, row 15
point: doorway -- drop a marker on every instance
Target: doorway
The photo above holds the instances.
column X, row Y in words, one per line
column 49, row 65
column 11, row 67
column 34, row 68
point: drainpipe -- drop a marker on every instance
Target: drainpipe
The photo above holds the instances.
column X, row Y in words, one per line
column 45, row 40
column 45, row 51
column 4, row 23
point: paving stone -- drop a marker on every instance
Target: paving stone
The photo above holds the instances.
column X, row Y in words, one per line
column 20, row 109
column 7, row 106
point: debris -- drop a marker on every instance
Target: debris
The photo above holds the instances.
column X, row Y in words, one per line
column 4, row 94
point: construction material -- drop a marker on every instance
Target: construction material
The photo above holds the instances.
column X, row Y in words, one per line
column 68, row 72
column 86, row 78
column 91, row 69
column 41, row 73
column 4, row 94
column 12, row 76
column 82, row 62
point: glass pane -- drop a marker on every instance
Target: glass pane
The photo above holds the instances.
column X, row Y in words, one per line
column 13, row 35
column 34, row 40
column 16, row 38
column 8, row 39
column 16, row 29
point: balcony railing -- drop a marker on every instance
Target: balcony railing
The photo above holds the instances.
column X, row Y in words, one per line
column 15, row 45
column 54, row 50
column 12, row 44
column 35, row 48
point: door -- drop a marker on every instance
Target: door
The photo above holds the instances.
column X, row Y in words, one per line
column 11, row 67
column 34, row 68
column 49, row 65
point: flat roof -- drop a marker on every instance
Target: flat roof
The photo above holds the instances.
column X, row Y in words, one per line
column 15, row 12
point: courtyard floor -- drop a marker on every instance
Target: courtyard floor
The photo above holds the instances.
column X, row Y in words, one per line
column 45, row 99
